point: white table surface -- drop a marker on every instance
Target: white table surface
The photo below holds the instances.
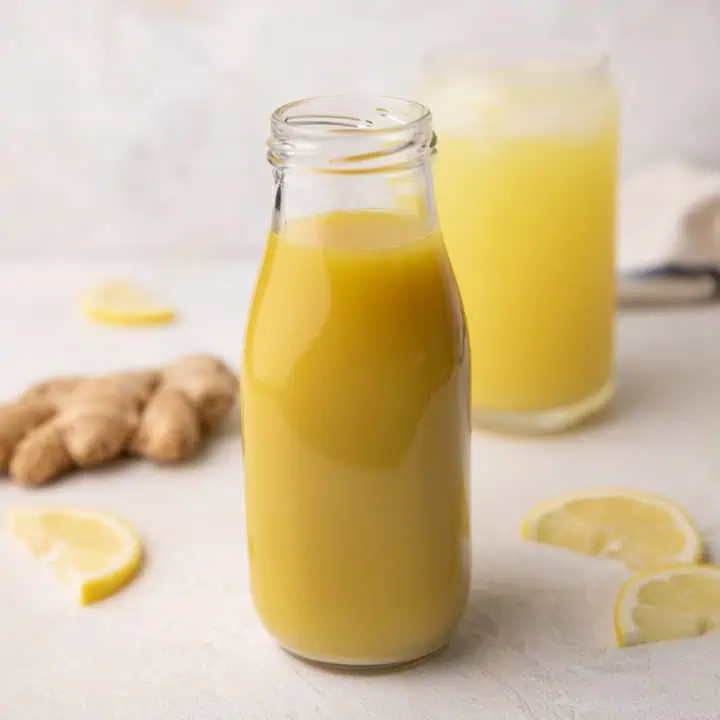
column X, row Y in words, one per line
column 182, row 642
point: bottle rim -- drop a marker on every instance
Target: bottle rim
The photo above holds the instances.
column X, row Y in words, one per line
column 322, row 123
column 350, row 133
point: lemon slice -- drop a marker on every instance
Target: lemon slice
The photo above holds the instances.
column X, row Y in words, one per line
column 92, row 553
column 121, row 303
column 678, row 601
column 638, row 529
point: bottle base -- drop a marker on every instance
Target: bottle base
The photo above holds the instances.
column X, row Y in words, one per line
column 340, row 664
column 542, row 422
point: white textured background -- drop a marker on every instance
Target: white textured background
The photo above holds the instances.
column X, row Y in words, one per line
column 133, row 126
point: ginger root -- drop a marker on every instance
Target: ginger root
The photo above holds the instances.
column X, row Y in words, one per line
column 16, row 421
column 73, row 422
column 170, row 428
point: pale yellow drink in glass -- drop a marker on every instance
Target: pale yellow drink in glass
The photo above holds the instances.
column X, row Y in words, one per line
column 525, row 186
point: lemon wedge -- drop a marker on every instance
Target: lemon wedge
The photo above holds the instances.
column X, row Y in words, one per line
column 121, row 303
column 679, row 601
column 636, row 528
column 92, row 553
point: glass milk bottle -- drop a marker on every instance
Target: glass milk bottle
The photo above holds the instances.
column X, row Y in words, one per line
column 525, row 187
column 355, row 393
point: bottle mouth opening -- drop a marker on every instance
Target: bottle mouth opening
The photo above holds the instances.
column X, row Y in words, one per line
column 350, row 133
column 349, row 114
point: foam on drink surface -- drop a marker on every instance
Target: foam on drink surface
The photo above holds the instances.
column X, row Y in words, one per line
column 507, row 104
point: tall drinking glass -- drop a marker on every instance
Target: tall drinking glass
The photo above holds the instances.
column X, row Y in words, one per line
column 525, row 188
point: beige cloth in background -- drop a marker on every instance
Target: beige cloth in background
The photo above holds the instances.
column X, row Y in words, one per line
column 669, row 235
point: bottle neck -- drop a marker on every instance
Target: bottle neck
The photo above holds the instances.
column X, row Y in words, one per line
column 349, row 155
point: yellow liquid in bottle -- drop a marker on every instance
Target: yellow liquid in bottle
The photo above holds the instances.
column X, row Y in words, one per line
column 355, row 406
